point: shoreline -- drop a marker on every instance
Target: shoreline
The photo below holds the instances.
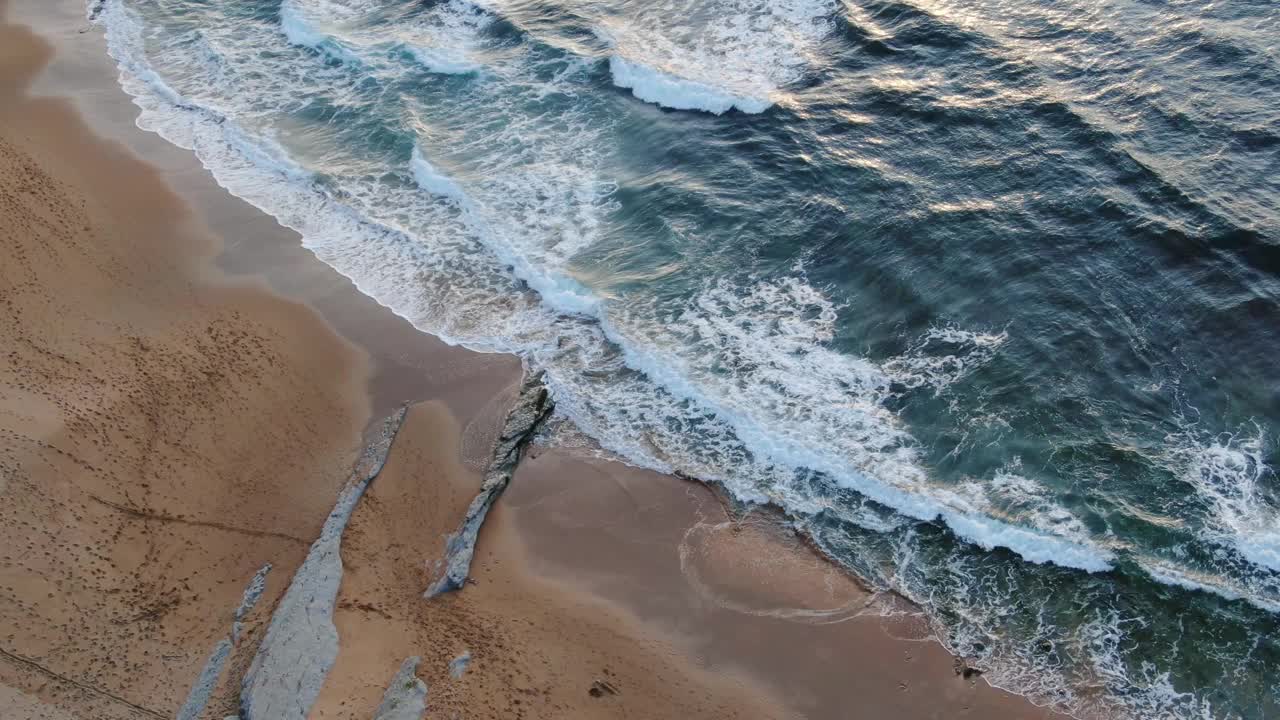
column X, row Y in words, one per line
column 580, row 536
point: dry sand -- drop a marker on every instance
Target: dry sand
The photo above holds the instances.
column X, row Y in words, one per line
column 163, row 433
column 166, row 429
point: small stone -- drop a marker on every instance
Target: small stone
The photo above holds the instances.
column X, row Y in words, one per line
column 600, row 688
column 458, row 665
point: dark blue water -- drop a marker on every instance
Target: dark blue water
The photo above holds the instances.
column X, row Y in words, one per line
column 984, row 295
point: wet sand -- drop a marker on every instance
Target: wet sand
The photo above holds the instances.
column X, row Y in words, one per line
column 744, row 594
column 168, row 425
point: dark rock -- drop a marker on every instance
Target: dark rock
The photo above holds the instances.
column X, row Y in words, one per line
column 600, row 688
column 962, row 667
column 532, row 407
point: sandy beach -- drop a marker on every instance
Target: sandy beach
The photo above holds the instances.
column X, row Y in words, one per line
column 183, row 392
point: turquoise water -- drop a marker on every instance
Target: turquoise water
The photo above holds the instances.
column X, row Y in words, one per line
column 983, row 295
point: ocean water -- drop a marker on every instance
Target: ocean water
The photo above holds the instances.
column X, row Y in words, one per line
column 984, row 295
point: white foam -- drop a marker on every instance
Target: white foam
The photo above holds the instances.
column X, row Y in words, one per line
column 442, row 60
column 714, row 56
column 758, row 359
column 1261, row 547
column 1030, row 545
column 1227, row 473
column 314, row 24
column 511, row 214
column 340, row 29
column 1088, row 666
column 1240, row 528
column 1033, row 524
column 942, row 356
column 1012, row 496
column 1142, row 691
column 443, row 38
column 440, row 38
column 296, row 27
column 961, row 588
column 1170, row 574
column 678, row 93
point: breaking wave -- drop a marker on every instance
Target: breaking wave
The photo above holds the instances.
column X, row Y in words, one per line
column 1228, row 473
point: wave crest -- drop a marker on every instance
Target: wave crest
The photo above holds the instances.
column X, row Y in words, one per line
column 678, row 93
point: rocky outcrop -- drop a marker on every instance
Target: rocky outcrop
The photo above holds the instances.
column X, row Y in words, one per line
column 406, row 696
column 252, row 593
column 962, row 667
column 198, row 696
column 301, row 642
column 532, row 407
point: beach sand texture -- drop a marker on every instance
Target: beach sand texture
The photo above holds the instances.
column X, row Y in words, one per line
column 163, row 433
column 167, row 428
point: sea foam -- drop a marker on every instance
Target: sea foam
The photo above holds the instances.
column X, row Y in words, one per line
column 310, row 24
column 715, row 56
column 796, row 402
column 297, row 28
column 678, row 93
column 443, row 37
column 1227, row 472
column 1168, row 573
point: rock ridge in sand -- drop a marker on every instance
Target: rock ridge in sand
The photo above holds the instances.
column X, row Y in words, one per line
column 301, row 643
column 533, row 405
column 205, row 684
column 406, row 696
